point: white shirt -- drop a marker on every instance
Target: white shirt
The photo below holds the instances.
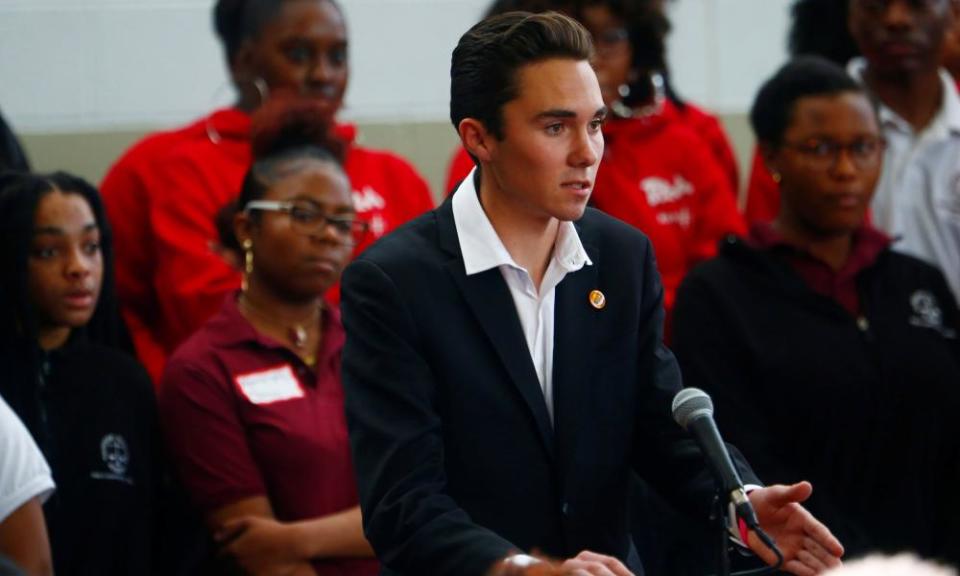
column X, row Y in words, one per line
column 24, row 473
column 482, row 250
column 917, row 200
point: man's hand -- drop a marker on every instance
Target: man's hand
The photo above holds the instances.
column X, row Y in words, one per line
column 585, row 563
column 262, row 546
column 808, row 547
column 589, row 563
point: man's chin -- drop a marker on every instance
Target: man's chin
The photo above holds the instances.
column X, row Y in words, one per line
column 573, row 214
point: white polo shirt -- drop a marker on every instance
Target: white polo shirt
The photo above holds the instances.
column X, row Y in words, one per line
column 24, row 473
column 917, row 200
column 482, row 250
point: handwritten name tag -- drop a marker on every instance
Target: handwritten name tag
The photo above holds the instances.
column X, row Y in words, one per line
column 269, row 386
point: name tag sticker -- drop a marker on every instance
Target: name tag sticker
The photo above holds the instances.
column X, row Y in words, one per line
column 269, row 386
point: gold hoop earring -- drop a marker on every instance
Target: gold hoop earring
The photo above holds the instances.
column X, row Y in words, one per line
column 263, row 91
column 247, row 263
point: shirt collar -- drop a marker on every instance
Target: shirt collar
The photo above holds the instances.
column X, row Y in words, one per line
column 948, row 116
column 868, row 244
column 482, row 248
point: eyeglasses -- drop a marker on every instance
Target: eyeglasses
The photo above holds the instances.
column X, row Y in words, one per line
column 307, row 219
column 823, row 154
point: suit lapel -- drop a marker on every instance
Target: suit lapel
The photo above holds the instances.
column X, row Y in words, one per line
column 576, row 321
column 489, row 299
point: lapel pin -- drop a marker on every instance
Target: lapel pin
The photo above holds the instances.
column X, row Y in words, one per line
column 597, row 299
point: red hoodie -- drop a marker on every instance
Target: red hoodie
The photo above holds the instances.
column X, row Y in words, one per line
column 709, row 129
column 660, row 177
column 127, row 197
column 198, row 177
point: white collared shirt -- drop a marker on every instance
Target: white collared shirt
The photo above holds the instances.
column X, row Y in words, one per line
column 482, row 250
column 917, row 200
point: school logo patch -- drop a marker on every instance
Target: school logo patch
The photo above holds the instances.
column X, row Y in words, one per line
column 116, row 459
column 927, row 313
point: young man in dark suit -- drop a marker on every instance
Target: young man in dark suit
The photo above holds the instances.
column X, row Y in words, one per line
column 504, row 369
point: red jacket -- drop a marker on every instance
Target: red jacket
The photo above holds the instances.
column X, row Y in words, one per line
column 193, row 181
column 709, row 129
column 660, row 177
column 128, row 199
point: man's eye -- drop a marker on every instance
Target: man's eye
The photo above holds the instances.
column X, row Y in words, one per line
column 554, row 129
column 596, row 125
column 91, row 248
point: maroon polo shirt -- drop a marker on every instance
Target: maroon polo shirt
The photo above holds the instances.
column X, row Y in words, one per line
column 838, row 285
column 244, row 417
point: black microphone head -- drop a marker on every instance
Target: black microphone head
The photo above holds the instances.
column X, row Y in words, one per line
column 690, row 404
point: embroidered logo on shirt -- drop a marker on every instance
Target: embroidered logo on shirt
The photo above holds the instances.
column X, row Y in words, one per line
column 116, row 458
column 660, row 191
column 927, row 313
column 681, row 217
column 368, row 199
column 269, row 386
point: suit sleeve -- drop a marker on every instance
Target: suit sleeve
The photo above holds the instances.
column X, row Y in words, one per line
column 664, row 454
column 415, row 527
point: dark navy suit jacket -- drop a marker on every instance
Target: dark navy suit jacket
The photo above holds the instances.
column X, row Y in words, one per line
column 458, row 462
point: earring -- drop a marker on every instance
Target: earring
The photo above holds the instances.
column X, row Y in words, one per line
column 247, row 263
column 263, row 91
column 775, row 176
column 623, row 90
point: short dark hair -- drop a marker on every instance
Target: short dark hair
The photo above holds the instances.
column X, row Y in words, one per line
column 801, row 77
column 237, row 20
column 483, row 70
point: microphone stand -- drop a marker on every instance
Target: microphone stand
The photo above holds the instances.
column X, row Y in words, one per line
column 718, row 517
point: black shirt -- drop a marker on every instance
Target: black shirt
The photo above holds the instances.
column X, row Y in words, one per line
column 92, row 411
column 865, row 407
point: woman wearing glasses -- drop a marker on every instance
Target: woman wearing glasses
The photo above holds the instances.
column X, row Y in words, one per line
column 829, row 356
column 252, row 404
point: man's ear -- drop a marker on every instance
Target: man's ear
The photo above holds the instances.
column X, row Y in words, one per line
column 478, row 141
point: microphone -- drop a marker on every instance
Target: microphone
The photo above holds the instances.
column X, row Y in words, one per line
column 693, row 411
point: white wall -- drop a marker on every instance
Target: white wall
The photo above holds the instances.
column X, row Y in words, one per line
column 78, row 65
